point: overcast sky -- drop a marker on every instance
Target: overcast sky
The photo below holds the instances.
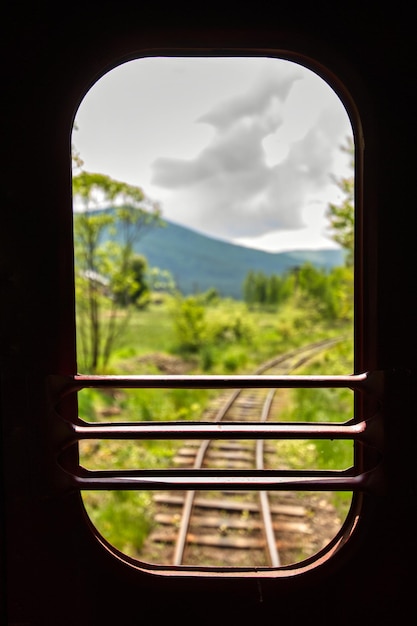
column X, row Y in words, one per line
column 244, row 150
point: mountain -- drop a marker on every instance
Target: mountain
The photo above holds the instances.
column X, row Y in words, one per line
column 198, row 262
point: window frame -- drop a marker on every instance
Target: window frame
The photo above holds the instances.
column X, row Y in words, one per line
column 366, row 404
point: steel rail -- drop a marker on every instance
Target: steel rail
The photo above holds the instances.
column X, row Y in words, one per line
column 203, row 479
column 222, row 412
column 274, row 558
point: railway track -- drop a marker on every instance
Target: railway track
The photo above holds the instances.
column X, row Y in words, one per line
column 241, row 528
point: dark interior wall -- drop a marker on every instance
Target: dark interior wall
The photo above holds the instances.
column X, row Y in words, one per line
column 53, row 573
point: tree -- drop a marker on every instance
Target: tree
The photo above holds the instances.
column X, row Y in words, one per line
column 342, row 215
column 189, row 322
column 106, row 273
column 260, row 289
column 161, row 280
column 324, row 292
column 138, row 295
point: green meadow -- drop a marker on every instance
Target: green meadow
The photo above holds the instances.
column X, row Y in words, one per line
column 210, row 335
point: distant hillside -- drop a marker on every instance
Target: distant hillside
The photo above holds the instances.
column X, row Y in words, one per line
column 198, row 262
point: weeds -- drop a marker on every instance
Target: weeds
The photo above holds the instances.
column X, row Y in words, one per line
column 219, row 337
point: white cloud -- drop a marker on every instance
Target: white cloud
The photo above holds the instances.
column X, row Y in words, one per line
column 236, row 148
column 229, row 189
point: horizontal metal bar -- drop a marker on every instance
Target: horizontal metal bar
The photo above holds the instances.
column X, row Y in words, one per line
column 60, row 386
column 220, row 430
column 227, row 480
column 79, row 382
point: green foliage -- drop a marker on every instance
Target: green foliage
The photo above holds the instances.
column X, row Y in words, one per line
column 341, row 216
column 328, row 293
column 107, row 274
column 211, row 334
column 189, row 323
column 160, row 280
column 231, row 338
column 234, row 359
column 124, row 518
column 217, row 334
column 273, row 290
column 131, row 286
column 331, row 292
column 229, row 326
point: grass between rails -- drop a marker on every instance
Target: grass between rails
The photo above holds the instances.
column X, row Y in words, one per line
column 236, row 340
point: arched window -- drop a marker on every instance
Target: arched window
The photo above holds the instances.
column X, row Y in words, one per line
column 250, row 154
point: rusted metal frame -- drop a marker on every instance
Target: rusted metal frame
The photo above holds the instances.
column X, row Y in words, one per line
column 367, row 432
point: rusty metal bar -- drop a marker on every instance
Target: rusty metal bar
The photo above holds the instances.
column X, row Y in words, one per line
column 272, row 480
column 60, row 386
column 352, row 381
column 210, row 430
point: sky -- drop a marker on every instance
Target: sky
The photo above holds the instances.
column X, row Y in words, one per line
column 245, row 150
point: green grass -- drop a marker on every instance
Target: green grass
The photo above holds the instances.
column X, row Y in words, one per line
column 234, row 340
column 149, row 330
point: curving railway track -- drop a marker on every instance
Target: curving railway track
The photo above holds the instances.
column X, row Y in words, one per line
column 241, row 528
